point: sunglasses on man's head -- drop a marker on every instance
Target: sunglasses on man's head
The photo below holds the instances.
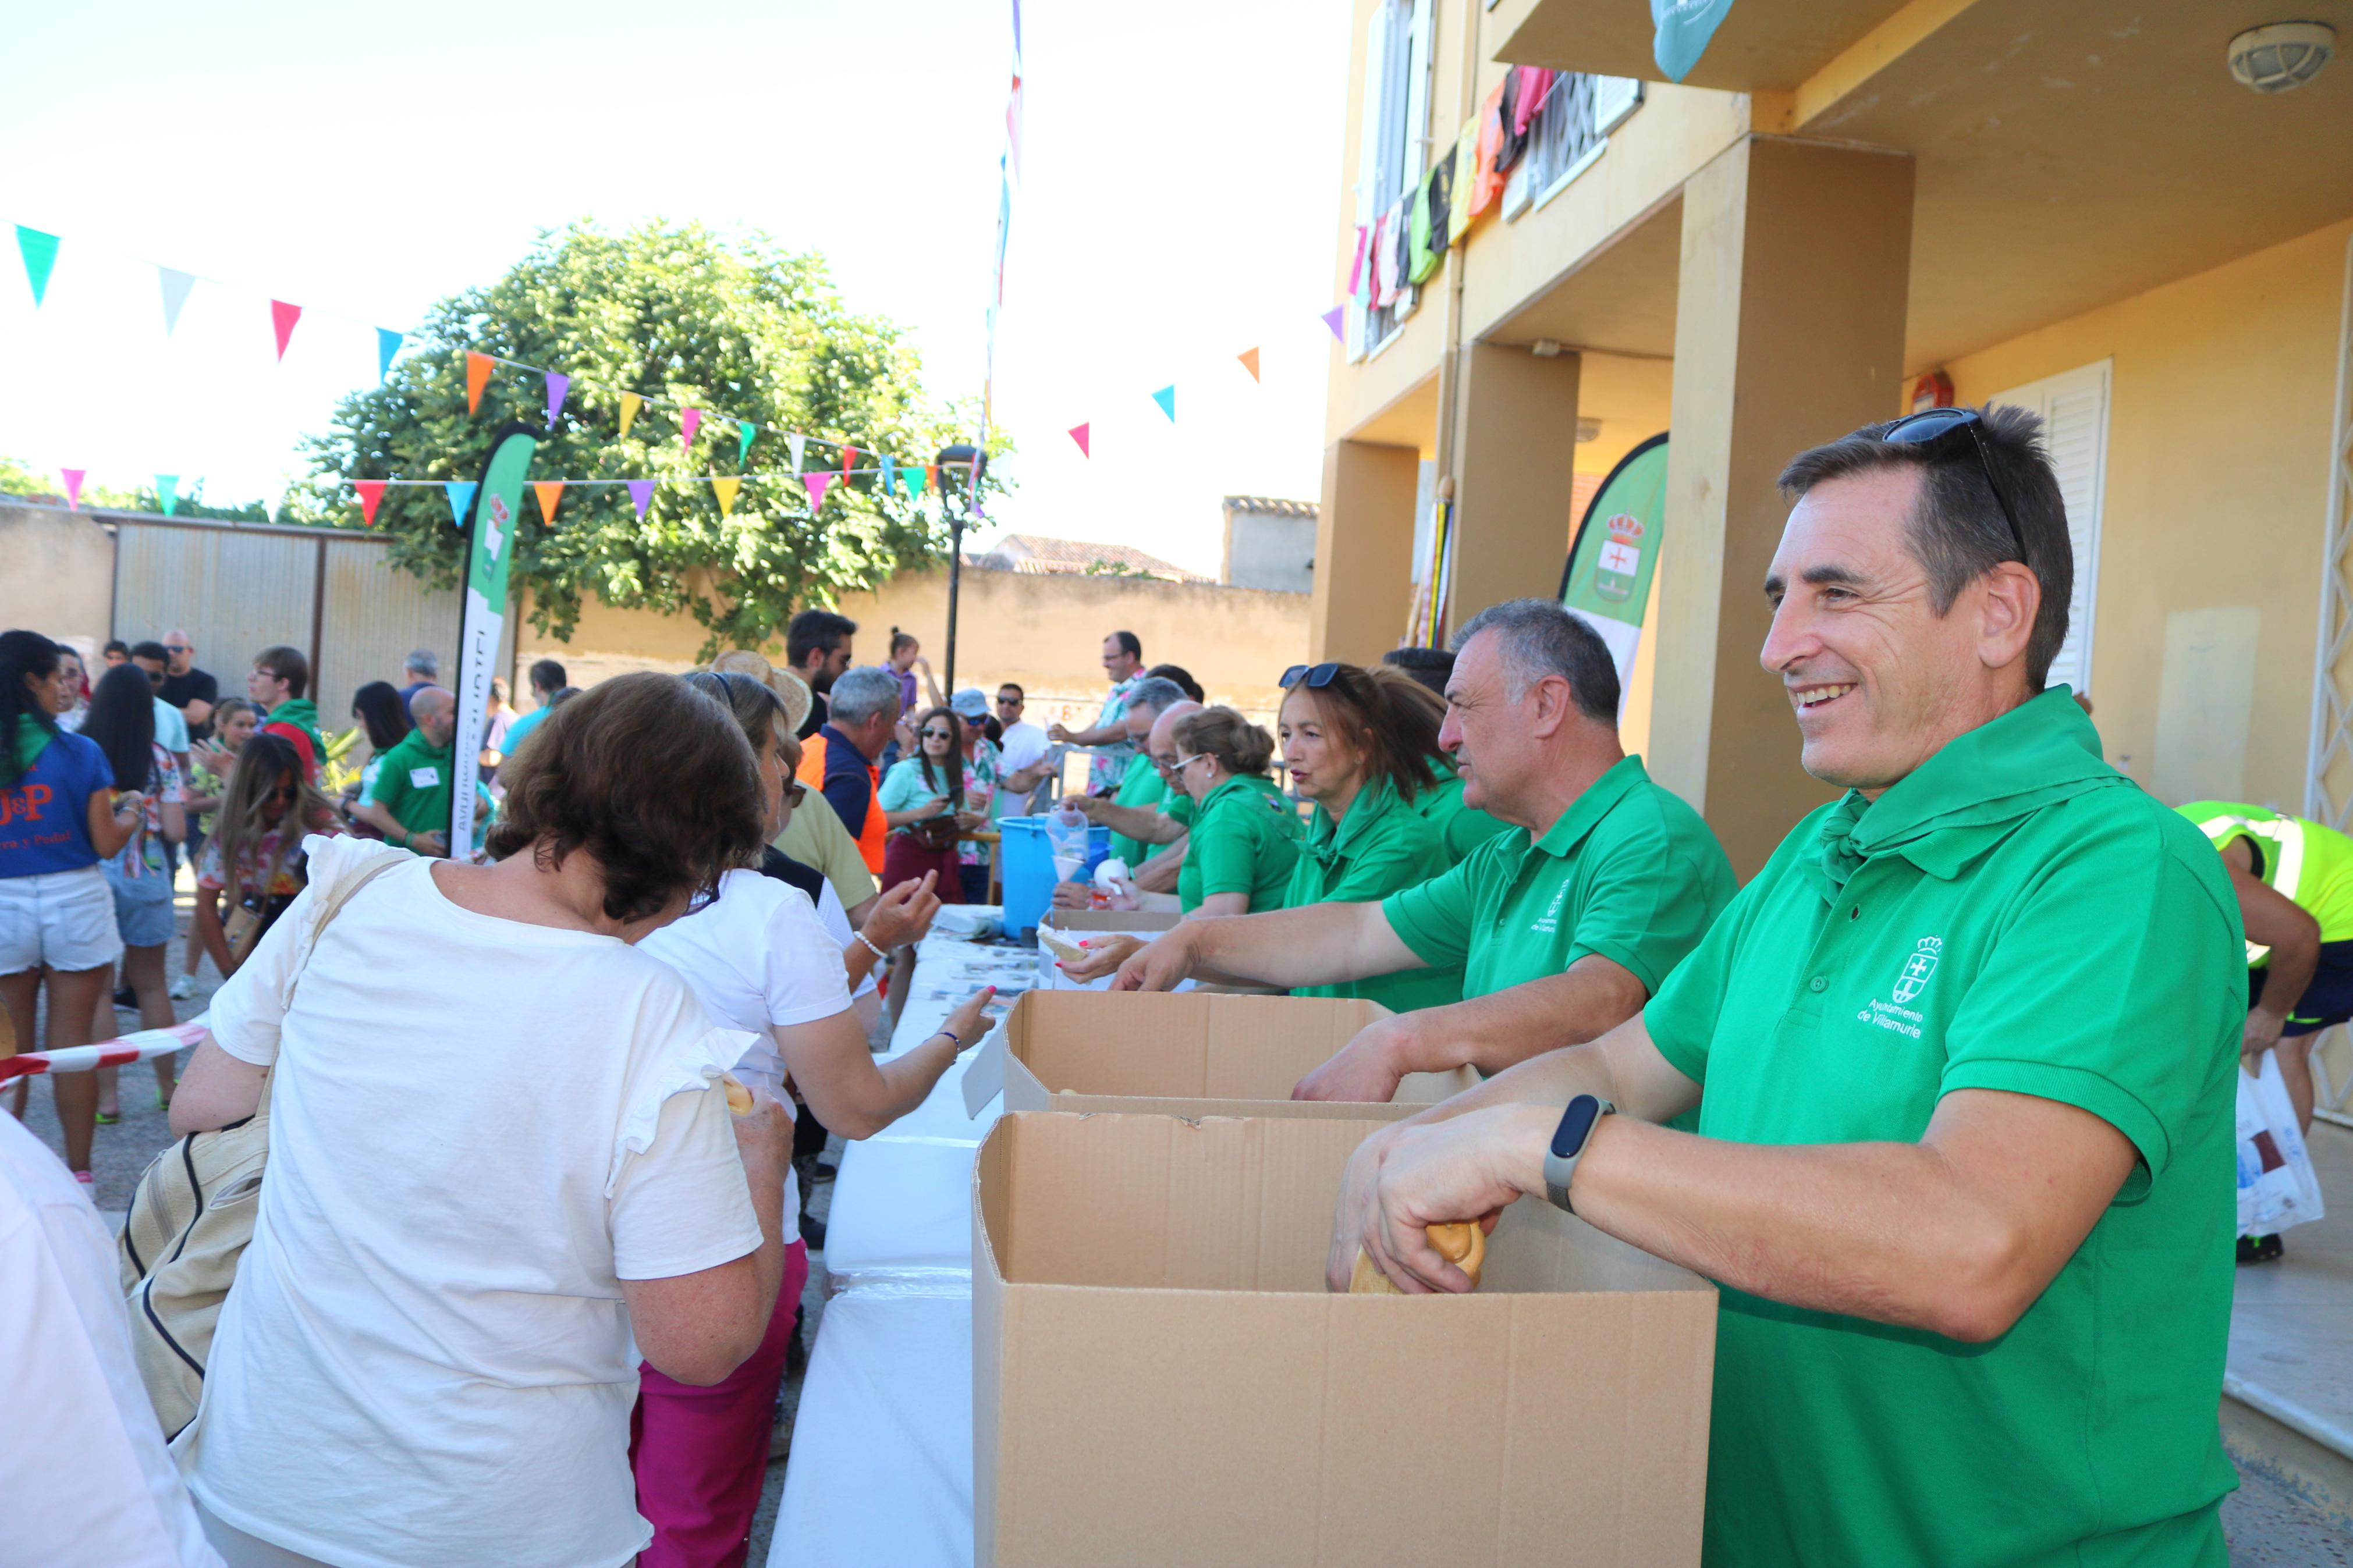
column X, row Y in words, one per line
column 1933, row 425
column 1318, row 676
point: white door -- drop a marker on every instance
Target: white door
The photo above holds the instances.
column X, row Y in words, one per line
column 2075, row 409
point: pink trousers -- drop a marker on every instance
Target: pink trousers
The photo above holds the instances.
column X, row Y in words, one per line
column 700, row 1454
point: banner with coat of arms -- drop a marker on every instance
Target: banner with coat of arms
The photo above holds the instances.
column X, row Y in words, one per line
column 1607, row 582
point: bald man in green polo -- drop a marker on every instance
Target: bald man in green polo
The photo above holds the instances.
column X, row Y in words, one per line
column 1964, row 1168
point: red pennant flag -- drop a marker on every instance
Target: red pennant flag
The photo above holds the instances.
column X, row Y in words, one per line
column 478, row 376
column 549, row 492
column 1249, row 362
column 371, row 494
column 849, row 460
column 282, row 317
column 1079, row 434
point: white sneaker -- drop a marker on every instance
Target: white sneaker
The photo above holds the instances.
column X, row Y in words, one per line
column 183, row 987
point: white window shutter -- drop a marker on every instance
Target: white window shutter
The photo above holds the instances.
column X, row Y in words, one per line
column 1419, row 64
column 1614, row 98
column 1368, row 157
column 2075, row 409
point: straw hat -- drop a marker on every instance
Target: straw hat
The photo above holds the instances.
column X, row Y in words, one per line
column 791, row 688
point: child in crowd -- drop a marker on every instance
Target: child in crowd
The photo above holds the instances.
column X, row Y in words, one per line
column 209, row 762
column 255, row 849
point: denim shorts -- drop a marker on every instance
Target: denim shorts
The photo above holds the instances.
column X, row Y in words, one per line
column 143, row 905
column 64, row 919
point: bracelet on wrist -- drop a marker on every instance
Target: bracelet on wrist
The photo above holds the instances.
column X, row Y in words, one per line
column 953, row 1038
column 869, row 943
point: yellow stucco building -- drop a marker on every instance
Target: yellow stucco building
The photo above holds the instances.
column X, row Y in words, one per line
column 2075, row 207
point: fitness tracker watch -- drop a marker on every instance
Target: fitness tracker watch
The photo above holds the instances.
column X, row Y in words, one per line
column 1568, row 1141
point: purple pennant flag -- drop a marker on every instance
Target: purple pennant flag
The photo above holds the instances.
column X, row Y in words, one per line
column 816, row 484
column 558, row 384
column 641, row 491
column 1332, row 318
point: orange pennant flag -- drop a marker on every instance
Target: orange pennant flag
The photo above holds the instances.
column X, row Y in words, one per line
column 1249, row 362
column 478, row 376
column 630, row 403
column 724, row 489
column 549, row 492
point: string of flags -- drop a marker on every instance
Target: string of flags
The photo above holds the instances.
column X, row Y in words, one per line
column 39, row 251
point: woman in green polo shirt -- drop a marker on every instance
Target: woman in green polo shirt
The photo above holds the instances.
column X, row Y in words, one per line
column 1245, row 835
column 1359, row 744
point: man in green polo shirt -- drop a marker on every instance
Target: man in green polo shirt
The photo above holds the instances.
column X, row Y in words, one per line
column 409, row 804
column 1964, row 1165
column 1562, row 929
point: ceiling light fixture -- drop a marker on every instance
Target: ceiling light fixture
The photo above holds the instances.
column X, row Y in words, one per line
column 2282, row 56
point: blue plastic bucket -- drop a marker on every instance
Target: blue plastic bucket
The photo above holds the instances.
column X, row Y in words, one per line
column 1026, row 865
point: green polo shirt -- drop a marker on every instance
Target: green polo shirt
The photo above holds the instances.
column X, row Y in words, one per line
column 1245, row 837
column 1384, row 844
column 1142, row 788
column 1462, row 828
column 414, row 785
column 1629, row 872
column 2014, row 915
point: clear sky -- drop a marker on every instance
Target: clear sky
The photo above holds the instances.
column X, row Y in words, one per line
column 1178, row 206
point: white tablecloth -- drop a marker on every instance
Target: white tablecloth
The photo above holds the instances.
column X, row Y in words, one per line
column 880, row 1469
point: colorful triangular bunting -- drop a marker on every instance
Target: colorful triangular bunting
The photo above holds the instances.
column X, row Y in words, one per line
column 177, row 284
column 387, row 344
column 849, row 460
column 1167, row 398
column 40, row 253
column 815, row 484
column 724, row 487
column 282, row 317
column 1332, row 319
column 549, row 492
column 641, row 494
column 1079, row 434
column 890, row 474
column 478, row 376
column 688, row 424
column 167, row 492
column 73, row 478
column 371, row 497
column 1249, row 362
column 462, row 495
column 558, row 384
column 746, row 434
column 630, row 403
column 798, row 447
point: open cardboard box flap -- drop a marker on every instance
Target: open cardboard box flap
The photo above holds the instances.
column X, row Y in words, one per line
column 1161, row 1378
column 1192, row 1054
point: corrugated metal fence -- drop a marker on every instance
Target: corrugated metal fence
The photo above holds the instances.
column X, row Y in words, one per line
column 237, row 588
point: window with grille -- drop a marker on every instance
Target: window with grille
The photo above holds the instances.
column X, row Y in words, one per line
column 1568, row 134
column 1394, row 152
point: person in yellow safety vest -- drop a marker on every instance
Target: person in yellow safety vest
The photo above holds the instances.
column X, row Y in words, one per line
column 2295, row 882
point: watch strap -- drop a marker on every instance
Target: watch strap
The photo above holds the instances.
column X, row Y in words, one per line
column 1560, row 1170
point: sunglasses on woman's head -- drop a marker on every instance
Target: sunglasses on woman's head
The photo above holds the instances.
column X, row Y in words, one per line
column 1318, row 676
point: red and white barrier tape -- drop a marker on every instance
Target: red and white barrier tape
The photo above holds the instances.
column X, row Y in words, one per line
column 140, row 1046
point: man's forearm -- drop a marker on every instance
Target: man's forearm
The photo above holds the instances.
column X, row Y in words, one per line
column 374, row 814
column 1314, row 944
column 1151, row 827
column 1491, row 1033
column 1159, row 874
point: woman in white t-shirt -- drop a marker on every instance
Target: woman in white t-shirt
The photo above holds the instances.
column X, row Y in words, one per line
column 500, row 1168
column 760, row 960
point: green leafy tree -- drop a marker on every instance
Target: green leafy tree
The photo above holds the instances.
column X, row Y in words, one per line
column 684, row 319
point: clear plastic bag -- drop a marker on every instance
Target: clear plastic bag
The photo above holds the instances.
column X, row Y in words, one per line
column 2277, row 1185
column 1066, row 836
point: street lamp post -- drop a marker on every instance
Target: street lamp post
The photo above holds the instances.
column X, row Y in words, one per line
column 973, row 462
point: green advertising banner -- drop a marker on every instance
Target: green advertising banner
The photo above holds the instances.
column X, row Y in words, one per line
column 490, row 551
column 1607, row 582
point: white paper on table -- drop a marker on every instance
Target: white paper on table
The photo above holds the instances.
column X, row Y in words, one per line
column 983, row 1079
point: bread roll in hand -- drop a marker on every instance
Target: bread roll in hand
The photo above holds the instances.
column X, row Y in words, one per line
column 1464, row 1245
column 739, row 1098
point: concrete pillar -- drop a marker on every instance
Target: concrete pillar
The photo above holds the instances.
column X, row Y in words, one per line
column 1514, row 462
column 1363, row 551
column 1789, row 332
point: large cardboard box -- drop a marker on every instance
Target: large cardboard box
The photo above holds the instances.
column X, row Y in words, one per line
column 1193, row 1054
column 1159, row 1376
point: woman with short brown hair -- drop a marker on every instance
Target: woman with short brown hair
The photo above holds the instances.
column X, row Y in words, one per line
column 500, row 1167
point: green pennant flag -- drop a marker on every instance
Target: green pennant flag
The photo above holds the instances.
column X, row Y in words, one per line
column 913, row 474
column 40, row 251
column 167, row 491
column 746, row 434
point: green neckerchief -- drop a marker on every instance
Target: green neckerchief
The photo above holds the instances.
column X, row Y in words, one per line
column 33, row 738
column 1970, row 795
